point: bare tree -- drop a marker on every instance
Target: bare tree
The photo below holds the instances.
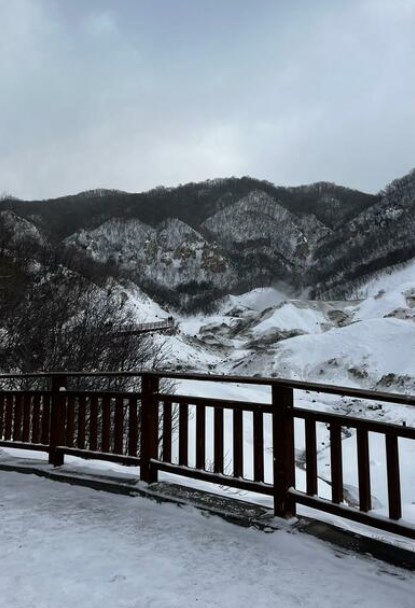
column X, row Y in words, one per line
column 62, row 322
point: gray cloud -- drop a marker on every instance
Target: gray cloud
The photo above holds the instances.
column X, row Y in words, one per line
column 138, row 93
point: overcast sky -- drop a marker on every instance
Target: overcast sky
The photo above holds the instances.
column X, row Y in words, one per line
column 131, row 94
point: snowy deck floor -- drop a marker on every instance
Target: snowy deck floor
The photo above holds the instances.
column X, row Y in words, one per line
column 70, row 546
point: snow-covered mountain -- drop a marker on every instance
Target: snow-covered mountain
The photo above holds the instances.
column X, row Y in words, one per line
column 262, row 234
column 190, row 245
column 18, row 232
column 198, row 241
column 172, row 255
column 379, row 236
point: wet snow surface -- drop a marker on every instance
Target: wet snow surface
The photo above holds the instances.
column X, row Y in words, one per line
column 69, row 546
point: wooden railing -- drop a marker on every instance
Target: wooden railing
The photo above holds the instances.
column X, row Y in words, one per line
column 142, row 328
column 240, row 444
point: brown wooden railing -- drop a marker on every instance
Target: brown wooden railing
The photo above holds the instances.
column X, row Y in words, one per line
column 189, row 436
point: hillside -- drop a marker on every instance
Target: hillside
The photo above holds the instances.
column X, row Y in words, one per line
column 189, row 245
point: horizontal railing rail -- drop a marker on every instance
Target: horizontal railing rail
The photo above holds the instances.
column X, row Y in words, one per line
column 244, row 444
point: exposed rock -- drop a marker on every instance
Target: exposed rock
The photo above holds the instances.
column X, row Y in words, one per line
column 171, row 255
column 402, row 313
column 339, row 317
column 273, row 337
column 410, row 298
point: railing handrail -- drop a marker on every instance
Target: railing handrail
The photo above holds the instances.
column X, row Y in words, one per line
column 344, row 391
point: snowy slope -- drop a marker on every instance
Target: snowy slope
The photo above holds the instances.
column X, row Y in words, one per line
column 368, row 341
column 138, row 303
column 361, row 354
column 257, row 299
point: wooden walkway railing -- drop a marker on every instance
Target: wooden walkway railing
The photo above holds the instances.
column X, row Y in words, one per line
column 142, row 328
column 240, row 444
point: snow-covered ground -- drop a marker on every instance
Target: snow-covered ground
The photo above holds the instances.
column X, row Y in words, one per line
column 70, row 546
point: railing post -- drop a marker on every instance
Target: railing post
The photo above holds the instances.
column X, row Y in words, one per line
column 283, row 450
column 57, row 419
column 149, row 427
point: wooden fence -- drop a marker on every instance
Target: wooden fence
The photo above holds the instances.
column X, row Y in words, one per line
column 185, row 435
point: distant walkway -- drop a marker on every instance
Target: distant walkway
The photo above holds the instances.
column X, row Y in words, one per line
column 142, row 328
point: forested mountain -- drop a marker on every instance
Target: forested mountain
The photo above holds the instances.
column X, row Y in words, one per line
column 191, row 244
column 192, row 203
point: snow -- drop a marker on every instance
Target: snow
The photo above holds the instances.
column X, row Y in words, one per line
column 256, row 299
column 180, row 353
column 290, row 316
column 384, row 293
column 355, row 343
column 141, row 305
column 71, row 546
column 393, row 279
column 377, row 347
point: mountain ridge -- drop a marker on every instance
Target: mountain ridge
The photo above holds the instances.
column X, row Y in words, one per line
column 200, row 240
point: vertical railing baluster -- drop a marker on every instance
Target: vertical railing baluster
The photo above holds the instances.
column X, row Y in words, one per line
column 70, row 421
column 106, row 424
column 2, row 414
column 218, row 440
column 336, row 463
column 93, row 423
column 119, row 425
column 167, row 430
column 393, row 472
column 238, row 438
column 132, row 425
column 9, row 418
column 363, row 464
column 81, row 422
column 17, row 418
column 45, row 428
column 258, row 431
column 36, row 419
column 200, row 437
column 183, row 433
column 311, row 456
column 80, row 437
column 26, row 407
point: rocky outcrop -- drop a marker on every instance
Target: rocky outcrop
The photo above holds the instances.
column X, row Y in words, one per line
column 173, row 255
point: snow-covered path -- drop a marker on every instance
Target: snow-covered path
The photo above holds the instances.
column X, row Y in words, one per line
column 69, row 546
